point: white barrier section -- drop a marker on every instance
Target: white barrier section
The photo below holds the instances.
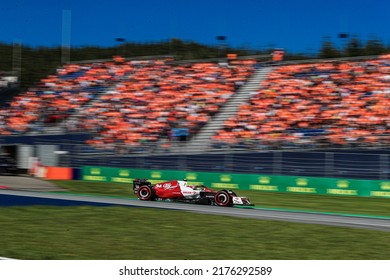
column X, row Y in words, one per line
column 186, row 269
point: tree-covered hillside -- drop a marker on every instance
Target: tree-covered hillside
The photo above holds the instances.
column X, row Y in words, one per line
column 36, row 63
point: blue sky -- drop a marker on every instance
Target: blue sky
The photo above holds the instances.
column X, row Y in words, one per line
column 298, row 26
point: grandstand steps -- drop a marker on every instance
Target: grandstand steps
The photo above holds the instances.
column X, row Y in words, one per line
column 201, row 141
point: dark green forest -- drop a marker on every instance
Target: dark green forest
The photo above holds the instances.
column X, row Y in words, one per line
column 36, row 63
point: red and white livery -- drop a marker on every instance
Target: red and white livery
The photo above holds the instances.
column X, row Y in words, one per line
column 181, row 191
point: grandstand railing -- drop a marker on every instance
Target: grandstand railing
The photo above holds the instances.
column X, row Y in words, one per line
column 359, row 163
column 339, row 164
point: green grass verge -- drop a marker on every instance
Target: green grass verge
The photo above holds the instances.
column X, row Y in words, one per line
column 304, row 202
column 139, row 233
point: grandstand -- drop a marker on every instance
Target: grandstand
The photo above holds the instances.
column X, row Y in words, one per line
column 238, row 111
column 325, row 104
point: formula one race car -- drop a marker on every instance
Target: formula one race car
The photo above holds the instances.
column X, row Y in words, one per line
column 180, row 191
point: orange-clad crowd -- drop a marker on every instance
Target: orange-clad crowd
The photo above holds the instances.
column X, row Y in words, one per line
column 315, row 105
column 56, row 96
column 129, row 102
column 141, row 101
column 156, row 98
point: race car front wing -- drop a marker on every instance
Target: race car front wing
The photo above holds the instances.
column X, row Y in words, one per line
column 242, row 201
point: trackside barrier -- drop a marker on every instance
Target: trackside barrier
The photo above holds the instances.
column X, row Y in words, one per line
column 266, row 183
column 77, row 173
column 59, row 173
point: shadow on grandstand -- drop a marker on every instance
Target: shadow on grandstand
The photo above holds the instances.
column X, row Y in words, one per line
column 339, row 163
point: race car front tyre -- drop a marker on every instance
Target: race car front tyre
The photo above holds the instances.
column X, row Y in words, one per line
column 222, row 198
column 145, row 193
column 232, row 193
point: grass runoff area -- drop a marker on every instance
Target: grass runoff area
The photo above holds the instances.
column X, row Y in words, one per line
column 86, row 232
column 290, row 201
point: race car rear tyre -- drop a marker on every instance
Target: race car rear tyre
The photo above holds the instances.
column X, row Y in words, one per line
column 145, row 193
column 222, row 198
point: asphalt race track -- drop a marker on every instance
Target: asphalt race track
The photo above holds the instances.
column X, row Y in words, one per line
column 27, row 183
column 25, row 198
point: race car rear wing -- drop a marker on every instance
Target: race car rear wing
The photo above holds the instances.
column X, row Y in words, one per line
column 140, row 182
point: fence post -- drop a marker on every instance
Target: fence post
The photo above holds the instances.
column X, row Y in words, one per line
column 138, row 162
column 329, row 164
column 277, row 162
column 182, row 162
column 228, row 162
column 384, row 168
